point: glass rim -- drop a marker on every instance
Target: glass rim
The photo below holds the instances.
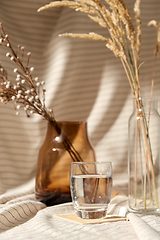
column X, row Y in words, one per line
column 98, row 162
column 70, row 122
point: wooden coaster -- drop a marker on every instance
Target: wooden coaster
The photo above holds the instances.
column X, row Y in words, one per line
column 73, row 218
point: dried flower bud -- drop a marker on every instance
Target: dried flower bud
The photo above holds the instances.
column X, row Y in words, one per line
column 15, row 70
column 18, row 106
column 29, row 53
column 12, row 58
column 32, row 69
column 13, row 97
column 8, row 55
column 27, row 92
column 19, row 95
column 18, row 78
column 23, row 81
column 31, row 99
column 36, row 79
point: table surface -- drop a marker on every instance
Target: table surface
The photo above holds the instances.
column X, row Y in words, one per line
column 23, row 217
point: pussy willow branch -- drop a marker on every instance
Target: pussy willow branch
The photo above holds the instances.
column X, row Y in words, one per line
column 26, row 91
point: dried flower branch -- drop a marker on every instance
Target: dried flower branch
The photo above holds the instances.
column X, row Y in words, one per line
column 115, row 17
column 138, row 24
column 124, row 42
column 27, row 91
column 156, row 51
column 157, row 26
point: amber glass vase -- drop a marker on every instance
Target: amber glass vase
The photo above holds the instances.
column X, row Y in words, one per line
column 65, row 142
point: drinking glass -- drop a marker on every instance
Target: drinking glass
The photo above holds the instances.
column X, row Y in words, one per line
column 91, row 188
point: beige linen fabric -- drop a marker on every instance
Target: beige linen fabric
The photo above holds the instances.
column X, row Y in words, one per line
column 84, row 81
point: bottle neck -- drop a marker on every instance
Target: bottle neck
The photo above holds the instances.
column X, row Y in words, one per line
column 145, row 104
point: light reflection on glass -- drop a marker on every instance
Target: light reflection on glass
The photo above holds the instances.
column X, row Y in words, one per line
column 57, row 138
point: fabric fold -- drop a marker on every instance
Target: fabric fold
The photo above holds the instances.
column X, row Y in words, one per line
column 142, row 229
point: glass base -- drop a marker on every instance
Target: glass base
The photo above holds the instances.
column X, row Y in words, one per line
column 92, row 214
column 138, row 206
column 142, row 210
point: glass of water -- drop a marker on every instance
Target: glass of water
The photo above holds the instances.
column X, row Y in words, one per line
column 91, row 188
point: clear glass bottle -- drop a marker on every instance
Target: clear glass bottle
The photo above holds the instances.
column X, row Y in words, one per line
column 143, row 157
